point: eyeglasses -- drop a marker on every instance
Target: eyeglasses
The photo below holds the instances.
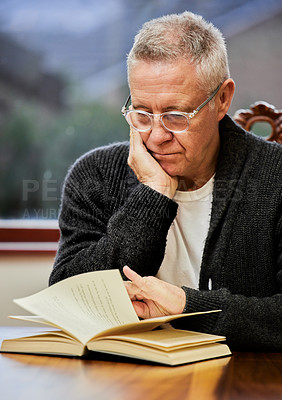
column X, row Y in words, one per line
column 173, row 121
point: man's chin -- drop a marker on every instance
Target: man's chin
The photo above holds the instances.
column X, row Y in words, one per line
column 170, row 169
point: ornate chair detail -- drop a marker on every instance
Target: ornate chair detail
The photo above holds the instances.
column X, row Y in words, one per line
column 261, row 112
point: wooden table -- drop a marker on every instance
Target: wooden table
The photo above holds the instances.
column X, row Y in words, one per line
column 244, row 376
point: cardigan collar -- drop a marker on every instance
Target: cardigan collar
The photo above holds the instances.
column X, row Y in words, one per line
column 231, row 160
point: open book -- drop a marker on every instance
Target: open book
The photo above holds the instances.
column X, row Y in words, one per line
column 93, row 312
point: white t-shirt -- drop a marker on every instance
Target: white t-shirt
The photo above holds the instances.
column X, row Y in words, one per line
column 186, row 237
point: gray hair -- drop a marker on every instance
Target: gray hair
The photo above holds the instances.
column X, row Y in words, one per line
column 183, row 36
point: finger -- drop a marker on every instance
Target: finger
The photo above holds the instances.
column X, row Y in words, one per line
column 141, row 309
column 131, row 290
column 132, row 276
column 136, row 141
column 134, row 147
column 133, row 138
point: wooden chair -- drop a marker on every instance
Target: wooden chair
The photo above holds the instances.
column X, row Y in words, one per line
column 262, row 112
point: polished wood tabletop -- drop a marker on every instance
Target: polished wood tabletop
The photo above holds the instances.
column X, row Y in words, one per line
column 243, row 376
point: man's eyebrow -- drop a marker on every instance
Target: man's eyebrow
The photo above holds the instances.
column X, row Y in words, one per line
column 168, row 108
column 177, row 108
column 140, row 107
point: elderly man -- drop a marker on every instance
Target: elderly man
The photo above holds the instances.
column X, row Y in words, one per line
column 191, row 210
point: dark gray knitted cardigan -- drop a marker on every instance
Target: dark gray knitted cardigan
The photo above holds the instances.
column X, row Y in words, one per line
column 108, row 219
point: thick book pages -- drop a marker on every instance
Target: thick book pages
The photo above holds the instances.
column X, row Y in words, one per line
column 93, row 312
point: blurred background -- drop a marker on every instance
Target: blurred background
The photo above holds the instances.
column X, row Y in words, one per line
column 63, row 81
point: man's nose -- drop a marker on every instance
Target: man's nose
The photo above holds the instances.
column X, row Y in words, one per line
column 159, row 133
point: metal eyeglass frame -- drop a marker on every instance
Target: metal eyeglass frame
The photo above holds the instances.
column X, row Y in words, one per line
column 189, row 116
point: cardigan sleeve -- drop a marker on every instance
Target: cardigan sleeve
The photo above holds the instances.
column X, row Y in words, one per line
column 249, row 323
column 104, row 230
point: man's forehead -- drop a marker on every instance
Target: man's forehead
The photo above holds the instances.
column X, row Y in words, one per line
column 162, row 77
column 161, row 69
column 165, row 84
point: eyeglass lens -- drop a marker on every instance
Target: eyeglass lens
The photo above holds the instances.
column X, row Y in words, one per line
column 143, row 122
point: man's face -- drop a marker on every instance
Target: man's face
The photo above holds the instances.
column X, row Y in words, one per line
column 159, row 87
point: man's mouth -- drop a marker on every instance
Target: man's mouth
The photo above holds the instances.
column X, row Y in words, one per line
column 160, row 156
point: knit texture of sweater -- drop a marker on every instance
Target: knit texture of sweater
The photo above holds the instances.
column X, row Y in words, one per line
column 109, row 219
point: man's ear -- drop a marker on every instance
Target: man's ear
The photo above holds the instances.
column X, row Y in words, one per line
column 225, row 96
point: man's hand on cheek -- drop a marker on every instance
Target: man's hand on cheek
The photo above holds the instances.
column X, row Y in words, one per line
column 152, row 297
column 147, row 169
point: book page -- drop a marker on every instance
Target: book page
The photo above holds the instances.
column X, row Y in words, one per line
column 164, row 339
column 84, row 305
column 148, row 324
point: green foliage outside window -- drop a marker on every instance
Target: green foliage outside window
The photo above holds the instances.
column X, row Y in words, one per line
column 37, row 147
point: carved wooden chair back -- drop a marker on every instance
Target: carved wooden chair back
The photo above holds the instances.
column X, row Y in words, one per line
column 261, row 112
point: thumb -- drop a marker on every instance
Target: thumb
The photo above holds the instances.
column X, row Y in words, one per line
column 131, row 275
